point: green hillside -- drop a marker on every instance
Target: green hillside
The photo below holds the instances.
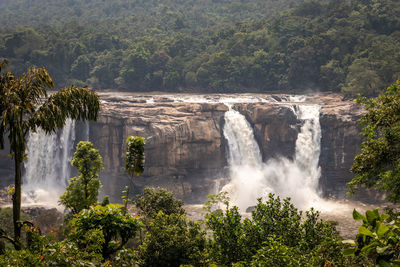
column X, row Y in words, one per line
column 207, row 46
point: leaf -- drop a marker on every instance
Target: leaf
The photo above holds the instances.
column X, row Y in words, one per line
column 349, row 252
column 364, row 231
column 11, row 191
column 380, row 250
column 383, row 263
column 371, row 215
column 384, row 217
column 382, row 229
column 349, row 241
column 357, row 216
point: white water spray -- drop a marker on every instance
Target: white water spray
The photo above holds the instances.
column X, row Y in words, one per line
column 250, row 178
column 47, row 169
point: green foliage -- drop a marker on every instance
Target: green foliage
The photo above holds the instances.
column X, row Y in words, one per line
column 134, row 159
column 110, row 223
column 172, row 240
column 274, row 253
column 25, row 105
column 6, row 222
column 155, row 200
column 378, row 163
column 208, row 46
column 229, row 243
column 362, row 79
column 95, row 234
column 378, row 239
column 20, row 258
column 275, row 227
column 64, row 253
column 83, row 191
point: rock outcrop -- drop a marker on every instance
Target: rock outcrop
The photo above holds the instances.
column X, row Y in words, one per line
column 185, row 146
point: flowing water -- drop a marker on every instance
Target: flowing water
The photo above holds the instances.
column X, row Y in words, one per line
column 48, row 167
column 250, row 178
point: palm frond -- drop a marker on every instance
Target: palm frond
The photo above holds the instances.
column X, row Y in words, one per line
column 73, row 102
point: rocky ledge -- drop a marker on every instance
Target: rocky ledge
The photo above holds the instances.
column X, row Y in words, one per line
column 185, row 146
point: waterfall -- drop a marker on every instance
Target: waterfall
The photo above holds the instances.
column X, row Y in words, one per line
column 47, row 169
column 250, row 178
column 87, row 131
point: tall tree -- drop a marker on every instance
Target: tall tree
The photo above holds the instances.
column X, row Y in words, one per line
column 25, row 105
column 83, row 190
column 134, row 161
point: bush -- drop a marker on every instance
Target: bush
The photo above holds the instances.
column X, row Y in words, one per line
column 116, row 227
column 378, row 239
column 172, row 240
column 275, row 227
column 155, row 200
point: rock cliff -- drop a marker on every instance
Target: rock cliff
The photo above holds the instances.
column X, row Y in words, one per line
column 185, row 146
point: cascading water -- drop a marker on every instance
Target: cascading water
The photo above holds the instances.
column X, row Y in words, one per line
column 47, row 168
column 87, row 131
column 245, row 164
column 250, row 178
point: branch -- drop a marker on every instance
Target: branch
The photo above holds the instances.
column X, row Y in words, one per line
column 4, row 235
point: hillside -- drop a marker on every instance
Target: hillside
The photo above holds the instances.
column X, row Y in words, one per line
column 207, row 46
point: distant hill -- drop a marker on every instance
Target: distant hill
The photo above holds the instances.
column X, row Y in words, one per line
column 207, row 45
column 165, row 15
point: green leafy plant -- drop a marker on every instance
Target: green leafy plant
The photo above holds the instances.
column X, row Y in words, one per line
column 115, row 225
column 83, row 190
column 237, row 241
column 134, row 162
column 378, row 163
column 378, row 239
column 154, row 200
column 172, row 240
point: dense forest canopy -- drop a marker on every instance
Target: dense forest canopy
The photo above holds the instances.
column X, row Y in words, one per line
column 208, row 45
column 166, row 15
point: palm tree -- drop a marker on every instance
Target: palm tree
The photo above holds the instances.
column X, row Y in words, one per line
column 24, row 106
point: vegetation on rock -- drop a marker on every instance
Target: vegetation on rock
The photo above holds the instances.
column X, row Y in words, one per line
column 83, row 190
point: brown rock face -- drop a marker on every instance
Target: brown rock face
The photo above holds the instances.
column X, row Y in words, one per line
column 275, row 128
column 341, row 139
column 185, row 145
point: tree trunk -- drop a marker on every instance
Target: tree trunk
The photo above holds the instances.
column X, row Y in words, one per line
column 17, row 202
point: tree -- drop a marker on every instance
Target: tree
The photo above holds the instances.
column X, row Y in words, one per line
column 378, row 163
column 275, row 227
column 362, row 79
column 155, row 200
column 115, row 226
column 134, row 161
column 172, row 240
column 25, row 106
column 82, row 191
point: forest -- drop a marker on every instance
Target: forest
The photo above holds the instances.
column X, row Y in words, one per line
column 156, row 230
column 207, row 46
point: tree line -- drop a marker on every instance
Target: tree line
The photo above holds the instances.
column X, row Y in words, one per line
column 235, row 46
column 98, row 233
